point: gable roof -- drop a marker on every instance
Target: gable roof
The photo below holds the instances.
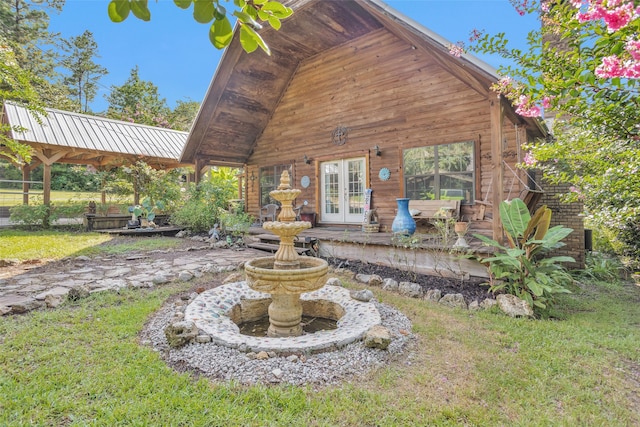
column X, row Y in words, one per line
column 94, row 140
column 246, row 88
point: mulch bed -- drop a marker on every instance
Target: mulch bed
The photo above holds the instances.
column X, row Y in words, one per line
column 471, row 289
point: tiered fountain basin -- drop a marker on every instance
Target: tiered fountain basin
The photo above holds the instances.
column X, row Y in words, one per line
column 219, row 311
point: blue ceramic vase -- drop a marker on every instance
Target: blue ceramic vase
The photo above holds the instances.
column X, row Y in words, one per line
column 403, row 223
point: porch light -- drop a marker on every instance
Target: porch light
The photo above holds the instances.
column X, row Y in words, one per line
column 376, row 149
column 306, row 160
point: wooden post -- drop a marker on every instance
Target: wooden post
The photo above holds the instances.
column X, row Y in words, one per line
column 497, row 168
column 199, row 165
column 47, row 161
column 26, row 176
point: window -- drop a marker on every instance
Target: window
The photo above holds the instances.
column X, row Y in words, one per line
column 269, row 181
column 440, row 172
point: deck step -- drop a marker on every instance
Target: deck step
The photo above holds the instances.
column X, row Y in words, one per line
column 270, row 247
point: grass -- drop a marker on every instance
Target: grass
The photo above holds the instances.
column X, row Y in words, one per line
column 82, row 365
column 53, row 245
column 57, row 197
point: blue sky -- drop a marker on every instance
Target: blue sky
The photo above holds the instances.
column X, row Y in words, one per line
column 173, row 51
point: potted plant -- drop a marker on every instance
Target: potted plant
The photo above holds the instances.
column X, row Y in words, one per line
column 146, row 212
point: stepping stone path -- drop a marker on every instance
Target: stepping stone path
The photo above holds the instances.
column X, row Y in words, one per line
column 49, row 285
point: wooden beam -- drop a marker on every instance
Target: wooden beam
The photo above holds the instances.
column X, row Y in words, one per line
column 497, row 168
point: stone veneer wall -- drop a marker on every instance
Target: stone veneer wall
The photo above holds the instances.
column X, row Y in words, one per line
column 569, row 215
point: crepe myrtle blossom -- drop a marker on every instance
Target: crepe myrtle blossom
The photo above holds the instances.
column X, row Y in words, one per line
column 616, row 14
column 456, row 49
column 529, row 159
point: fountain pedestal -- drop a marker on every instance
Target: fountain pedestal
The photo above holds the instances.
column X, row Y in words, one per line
column 285, row 314
column 285, row 275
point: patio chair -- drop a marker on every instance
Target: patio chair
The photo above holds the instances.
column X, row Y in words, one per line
column 268, row 212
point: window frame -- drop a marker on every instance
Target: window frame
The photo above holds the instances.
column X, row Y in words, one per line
column 277, row 172
column 437, row 174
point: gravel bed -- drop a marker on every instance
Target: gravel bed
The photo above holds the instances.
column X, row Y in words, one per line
column 329, row 368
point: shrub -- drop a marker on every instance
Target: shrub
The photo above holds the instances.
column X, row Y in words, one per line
column 520, row 268
column 202, row 207
column 601, row 267
column 235, row 223
column 29, row 216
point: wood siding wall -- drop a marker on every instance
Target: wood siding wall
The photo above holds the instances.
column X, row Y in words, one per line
column 387, row 93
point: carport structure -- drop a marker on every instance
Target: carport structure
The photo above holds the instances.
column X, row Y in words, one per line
column 66, row 137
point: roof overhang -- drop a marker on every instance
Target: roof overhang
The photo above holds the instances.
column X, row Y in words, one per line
column 246, row 88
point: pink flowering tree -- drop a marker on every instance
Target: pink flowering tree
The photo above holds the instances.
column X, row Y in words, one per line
column 581, row 67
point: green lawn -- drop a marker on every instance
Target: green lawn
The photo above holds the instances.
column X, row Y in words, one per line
column 53, row 245
column 81, row 364
column 57, row 197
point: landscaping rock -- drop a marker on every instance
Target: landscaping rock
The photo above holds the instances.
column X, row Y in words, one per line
column 474, row 305
column 263, row 355
column 82, row 258
column 203, row 339
column 4, row 310
column 78, row 292
column 488, row 303
column 369, row 279
column 390, row 284
column 377, row 337
column 60, row 291
column 453, row 301
column 513, row 306
column 185, row 276
column 410, row 289
column 53, row 300
column 22, row 305
column 364, row 295
column 159, row 279
column 375, row 280
column 334, row 281
column 433, row 295
column 180, row 333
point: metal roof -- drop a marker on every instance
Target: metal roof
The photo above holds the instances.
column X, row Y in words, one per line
column 93, row 133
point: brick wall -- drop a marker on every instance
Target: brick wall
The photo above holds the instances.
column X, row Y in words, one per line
column 568, row 215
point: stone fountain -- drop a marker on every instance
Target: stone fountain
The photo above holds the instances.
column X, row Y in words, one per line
column 286, row 275
column 283, row 287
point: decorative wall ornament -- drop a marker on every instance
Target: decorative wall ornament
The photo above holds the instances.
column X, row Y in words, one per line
column 305, row 181
column 384, row 174
column 339, row 135
column 512, row 154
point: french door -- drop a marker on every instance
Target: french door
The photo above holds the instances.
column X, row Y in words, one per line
column 343, row 187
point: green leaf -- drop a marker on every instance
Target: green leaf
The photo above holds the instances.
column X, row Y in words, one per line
column 203, row 11
column 182, row 4
column 250, row 40
column 140, row 10
column 489, row 242
column 247, row 19
column 535, row 287
column 221, row 33
column 219, row 12
column 277, row 9
column 275, row 23
column 118, row 10
column 515, row 217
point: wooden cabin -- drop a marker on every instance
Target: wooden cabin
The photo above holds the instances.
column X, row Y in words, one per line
column 356, row 96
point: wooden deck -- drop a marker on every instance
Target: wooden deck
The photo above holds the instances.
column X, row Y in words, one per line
column 158, row 231
column 423, row 253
